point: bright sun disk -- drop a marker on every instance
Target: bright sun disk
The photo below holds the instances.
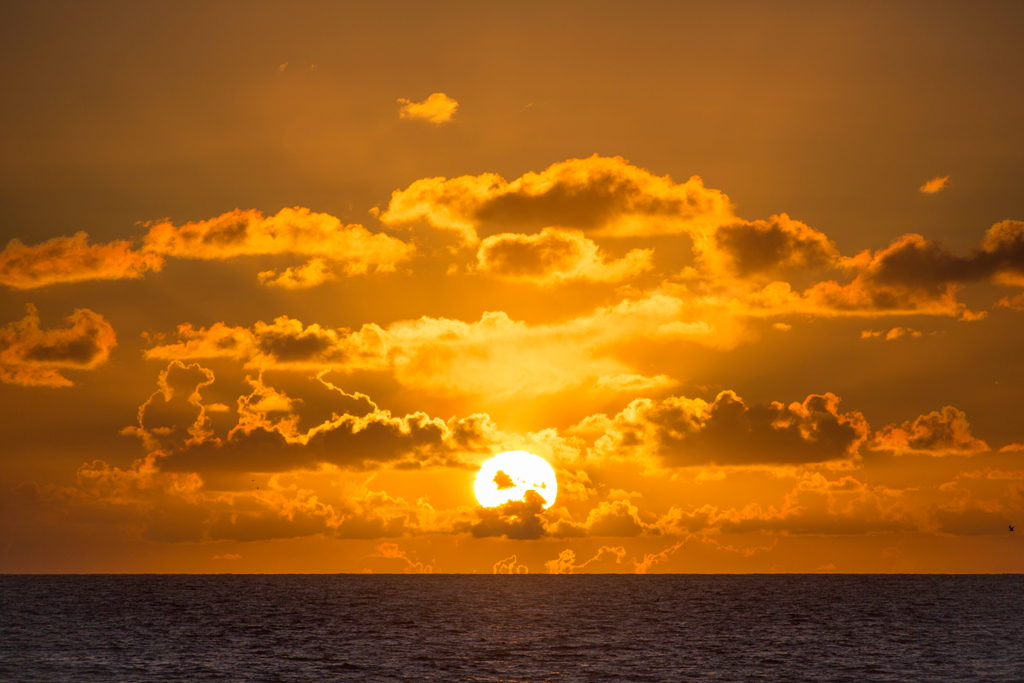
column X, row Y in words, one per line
column 509, row 475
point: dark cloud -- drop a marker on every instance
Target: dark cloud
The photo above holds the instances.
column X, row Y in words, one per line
column 944, row 432
column 32, row 356
column 727, row 431
column 759, row 247
column 516, row 519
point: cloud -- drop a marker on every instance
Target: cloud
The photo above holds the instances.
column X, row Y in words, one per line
column 944, row 432
column 510, row 566
column 32, row 356
column 616, row 518
column 291, row 231
column 285, row 344
column 517, row 519
column 651, row 559
column 312, row 273
column 820, row 506
column 227, row 556
column 554, row 256
column 894, row 333
column 633, row 383
column 935, row 185
column 678, row 431
column 267, row 436
column 751, row 249
column 158, row 422
column 399, row 559
column 913, row 275
column 72, row 259
column 495, row 355
column 565, row 563
column 437, row 109
column 600, row 195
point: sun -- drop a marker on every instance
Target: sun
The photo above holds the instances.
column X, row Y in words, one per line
column 509, row 475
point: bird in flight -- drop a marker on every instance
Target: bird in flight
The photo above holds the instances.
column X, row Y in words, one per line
column 1011, row 527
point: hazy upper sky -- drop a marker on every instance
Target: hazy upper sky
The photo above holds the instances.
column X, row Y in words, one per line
column 278, row 277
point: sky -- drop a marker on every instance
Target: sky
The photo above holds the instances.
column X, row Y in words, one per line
column 278, row 278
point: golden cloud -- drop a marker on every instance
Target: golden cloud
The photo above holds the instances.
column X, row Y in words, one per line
column 312, row 273
column 600, row 195
column 437, row 109
column 935, row 184
column 291, row 231
column 565, row 563
column 554, row 256
column 72, row 259
column 32, row 356
column 494, row 355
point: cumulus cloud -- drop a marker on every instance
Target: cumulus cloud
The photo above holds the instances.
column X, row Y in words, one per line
column 600, row 195
column 618, row 518
column 913, row 275
column 269, row 434
column 752, row 249
column 555, row 255
column 821, row 506
column 237, row 233
column 680, row 431
column 72, row 259
column 495, row 355
column 565, row 563
column 32, row 356
column 312, row 273
column 437, row 109
column 290, row 231
column 391, row 557
column 651, row 559
column 944, row 432
column 935, row 185
column 510, row 565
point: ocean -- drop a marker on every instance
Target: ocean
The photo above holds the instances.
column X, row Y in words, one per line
column 512, row 628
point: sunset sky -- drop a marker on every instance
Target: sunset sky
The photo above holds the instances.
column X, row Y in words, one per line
column 278, row 278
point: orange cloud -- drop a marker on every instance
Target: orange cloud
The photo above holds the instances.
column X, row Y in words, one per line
column 894, row 333
column 565, row 563
column 290, row 231
column 600, row 195
column 617, row 518
column 935, row 184
column 752, row 249
column 680, row 431
column 437, row 109
column 32, row 356
column 72, row 259
column 495, row 355
column 314, row 272
column 554, row 256
column 651, row 559
column 391, row 551
column 824, row 507
column 510, row 566
column 944, row 432
column 268, row 438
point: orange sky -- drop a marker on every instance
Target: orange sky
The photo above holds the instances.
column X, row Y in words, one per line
column 277, row 279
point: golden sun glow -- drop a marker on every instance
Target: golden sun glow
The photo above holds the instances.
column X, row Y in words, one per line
column 509, row 475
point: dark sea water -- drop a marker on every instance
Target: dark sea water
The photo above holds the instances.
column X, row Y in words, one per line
column 512, row 628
